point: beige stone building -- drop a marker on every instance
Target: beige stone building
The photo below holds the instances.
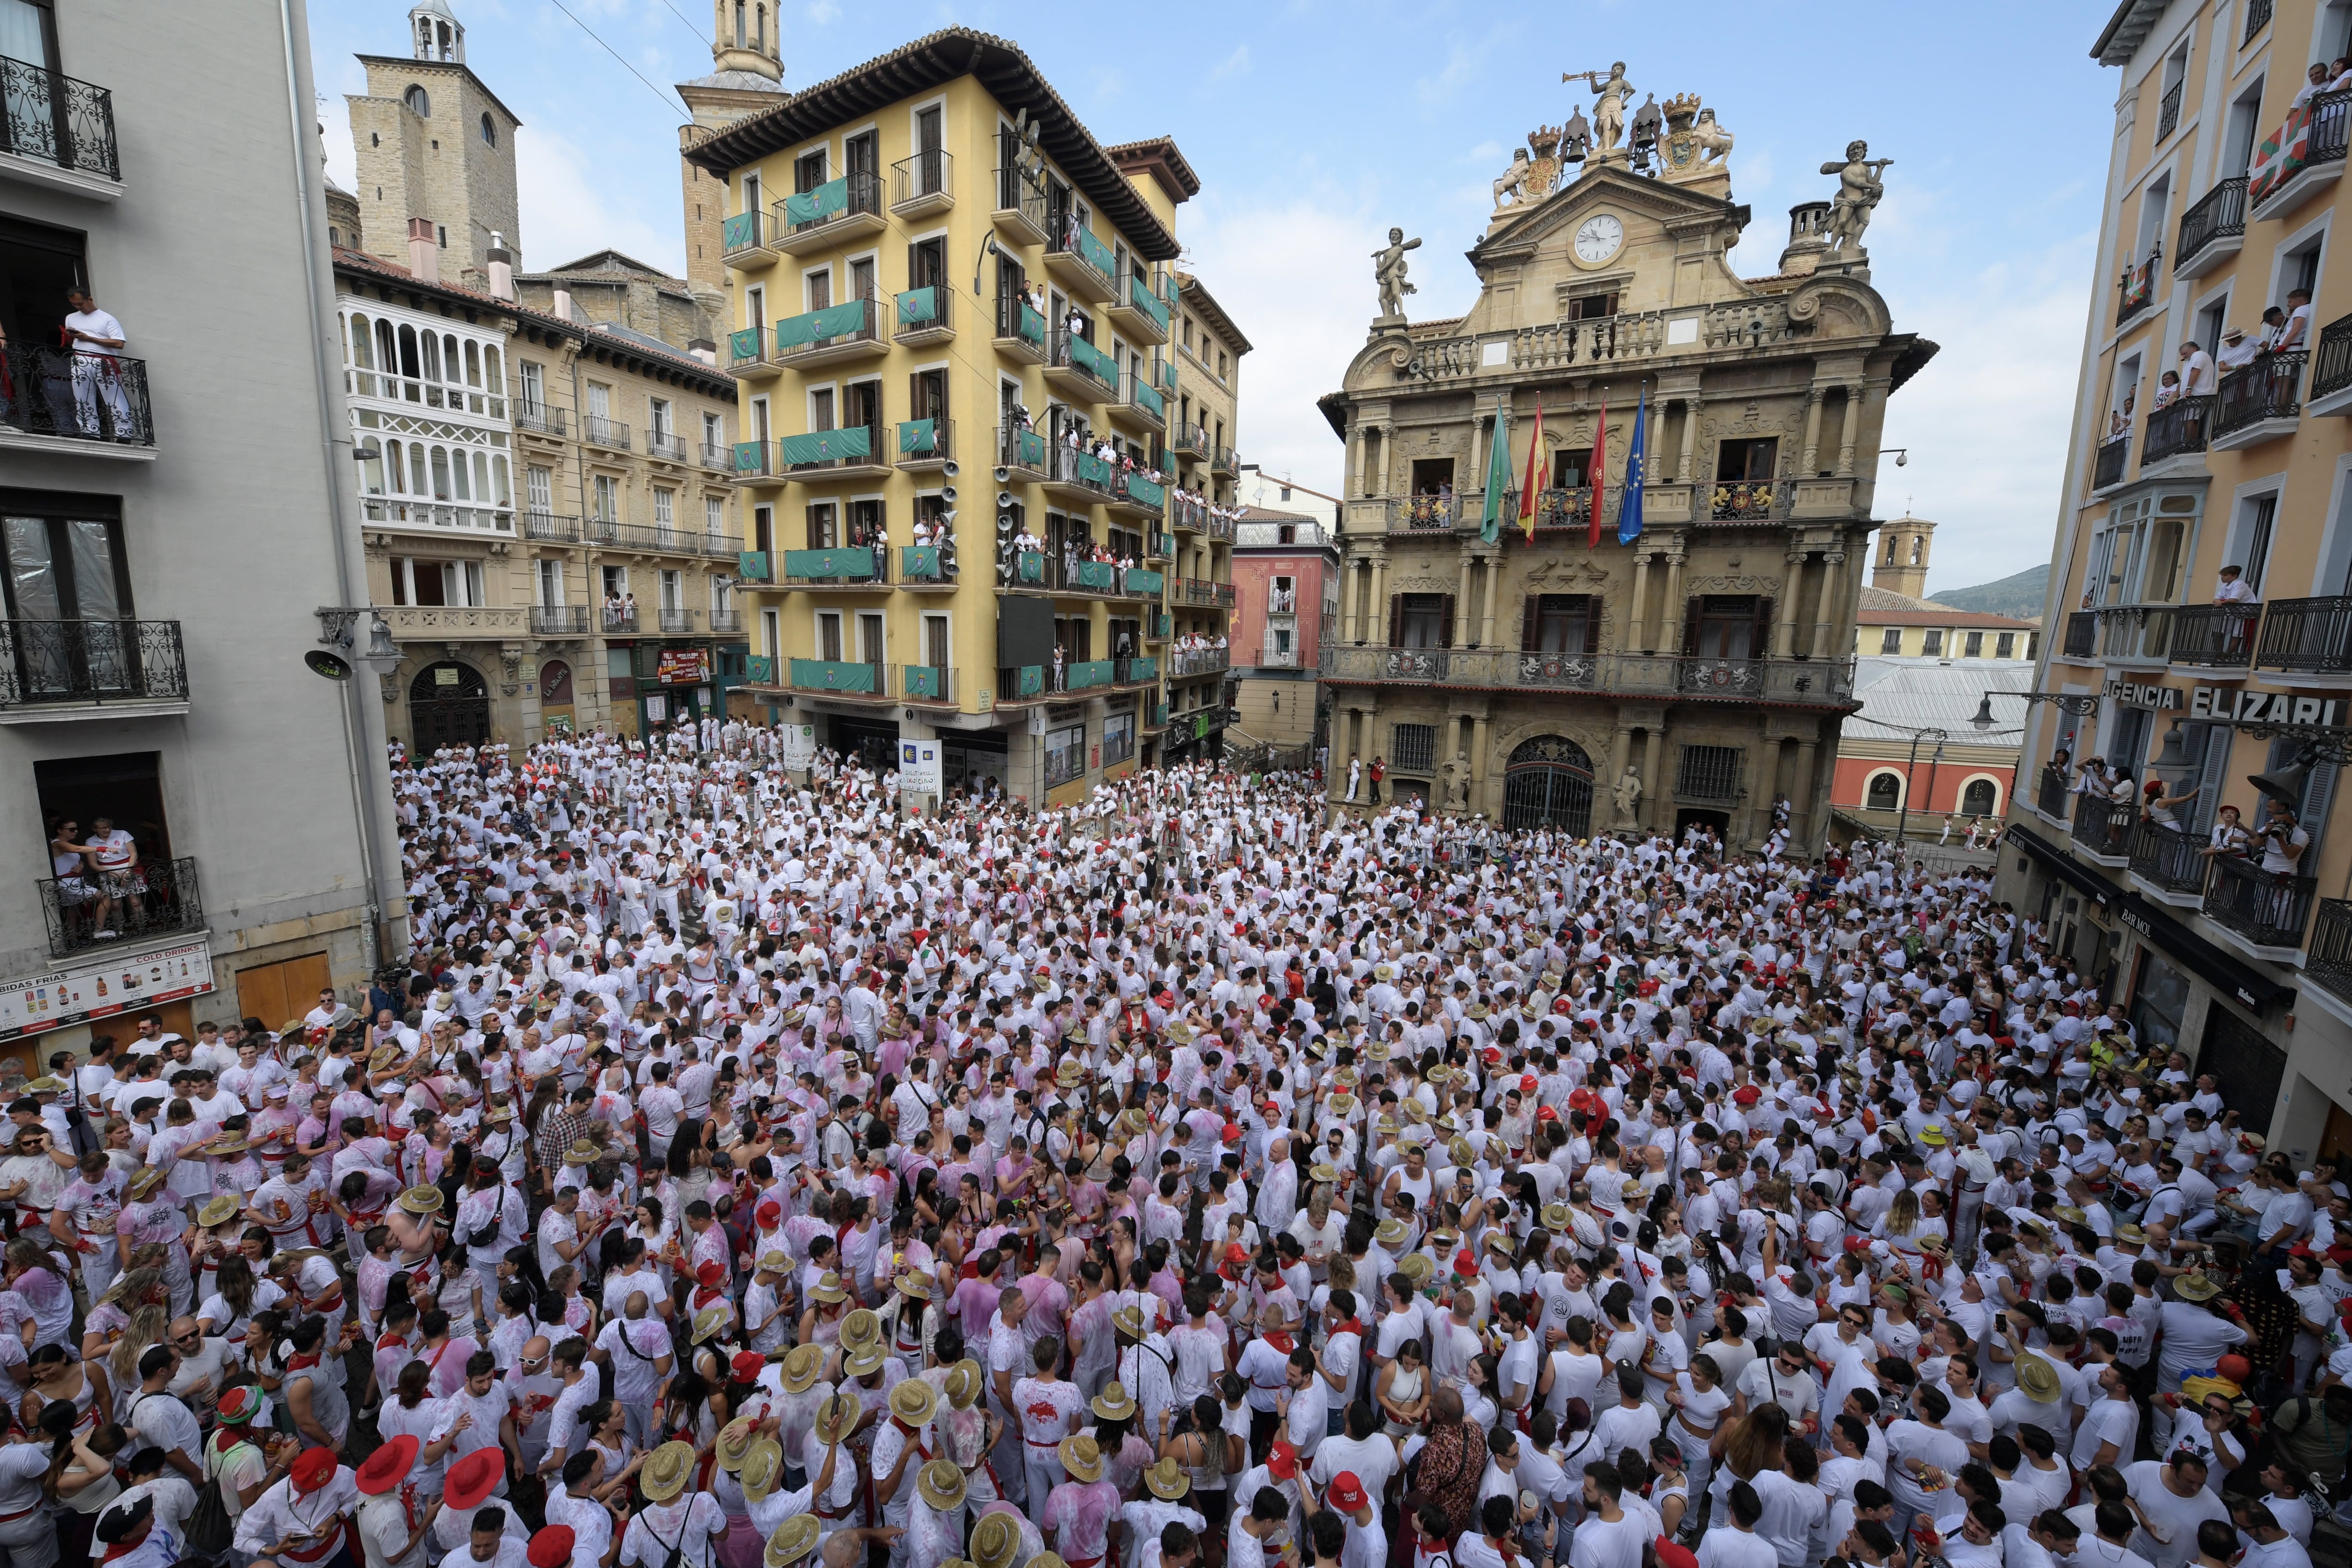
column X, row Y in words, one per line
column 1698, row 673
column 747, row 76
column 1892, row 620
column 435, row 154
column 1203, row 426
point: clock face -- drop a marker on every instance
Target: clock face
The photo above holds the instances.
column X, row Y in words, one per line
column 1598, row 237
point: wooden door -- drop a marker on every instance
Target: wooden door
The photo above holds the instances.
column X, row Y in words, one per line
column 274, row 993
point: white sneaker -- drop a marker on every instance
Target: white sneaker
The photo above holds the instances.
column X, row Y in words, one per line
column 102, row 935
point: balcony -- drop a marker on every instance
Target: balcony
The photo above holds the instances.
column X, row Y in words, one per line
column 1020, row 330
column 2266, row 911
column 754, row 462
column 57, row 132
column 2297, row 179
column 1198, row 591
column 539, row 419
column 1191, row 443
column 2329, row 965
column 158, row 898
column 2211, row 231
column 2177, row 430
column 2258, row 16
column 2103, row 829
column 1138, row 310
column 1219, row 526
column 2167, row 111
column 925, row 445
column 2309, row 636
column 1020, row 212
column 925, row 315
column 747, row 358
column 1079, row 479
column 1142, row 403
column 2050, row 794
column 70, row 669
column 850, row 566
column 1225, row 462
column 1022, row 451
column 599, row 431
column 926, row 566
column 2136, row 633
column 835, row 334
column 747, row 241
column 55, row 400
column 2331, row 369
column 839, row 677
column 665, row 446
column 1088, row 675
column 1157, row 546
column 721, row 459
column 1186, row 663
column 2259, row 402
column 1188, row 514
column 1138, row 497
column 1080, row 371
column 551, row 528
column 1756, row 500
column 433, row 517
column 836, row 214
column 852, row 452
column 619, row 621
column 2108, row 467
column 1277, row 659
column 1138, row 671
column 456, row 623
column 2082, row 639
column 559, row 620
column 928, row 683
column 1140, row 582
column 612, row 534
column 1158, row 626
column 2214, row 637
column 922, row 184
column 2135, row 290
column 1080, row 262
column 2166, row 860
column 1421, row 514
column 678, row 623
column 1788, row 682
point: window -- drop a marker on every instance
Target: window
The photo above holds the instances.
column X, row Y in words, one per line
column 606, row 493
column 1284, row 599
column 1981, row 798
column 1891, row 640
column 436, row 583
column 828, row 636
column 2245, row 124
column 616, row 582
column 63, row 567
column 1557, row 623
column 1931, row 642
column 1972, row 646
column 1885, row 793
column 1119, row 738
column 2252, row 548
column 1423, row 620
column 551, row 583
column 419, row 102
column 673, row 591
column 1708, row 772
column 658, row 419
column 1065, row 755
column 665, row 510
column 534, row 385
column 714, row 517
column 2005, row 646
column 1412, row 748
column 824, row 526
column 489, row 130
column 714, row 431
column 935, row 642
column 1746, row 460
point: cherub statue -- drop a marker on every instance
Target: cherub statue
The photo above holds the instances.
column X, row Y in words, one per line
column 1389, row 272
column 1610, row 95
column 1513, row 184
column 1860, row 189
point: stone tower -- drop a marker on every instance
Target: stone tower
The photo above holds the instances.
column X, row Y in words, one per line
column 1899, row 563
column 436, row 156
column 747, row 76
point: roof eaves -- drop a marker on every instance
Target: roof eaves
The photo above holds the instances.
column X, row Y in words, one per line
column 1192, row 289
column 1158, row 156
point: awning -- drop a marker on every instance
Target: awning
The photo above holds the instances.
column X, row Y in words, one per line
column 2224, row 969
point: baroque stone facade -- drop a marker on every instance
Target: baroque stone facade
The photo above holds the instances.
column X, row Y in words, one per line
column 1523, row 672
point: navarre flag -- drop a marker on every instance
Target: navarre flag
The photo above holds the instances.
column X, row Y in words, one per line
column 1534, row 477
column 1629, row 510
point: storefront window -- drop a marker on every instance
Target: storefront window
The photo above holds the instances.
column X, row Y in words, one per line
column 1065, row 755
column 2158, row 1002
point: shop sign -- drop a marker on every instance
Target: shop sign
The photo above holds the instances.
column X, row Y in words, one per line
column 798, row 749
column 49, row 1002
column 918, row 767
column 2156, row 699
column 683, row 667
column 2245, row 707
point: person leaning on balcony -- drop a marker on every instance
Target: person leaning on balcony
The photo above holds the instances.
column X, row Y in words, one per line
column 2226, row 836
column 96, row 339
column 2315, row 82
column 2161, row 807
column 2294, row 331
column 2273, row 328
column 2167, row 391
column 2196, row 370
column 2233, row 588
column 2283, row 840
column 2237, row 349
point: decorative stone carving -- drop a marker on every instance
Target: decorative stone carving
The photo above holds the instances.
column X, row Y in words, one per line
column 1388, row 272
column 1694, row 147
column 1424, row 584
column 1512, row 186
column 1610, row 94
column 1860, row 189
column 1626, row 793
column 1543, row 171
column 1455, row 784
column 1732, row 584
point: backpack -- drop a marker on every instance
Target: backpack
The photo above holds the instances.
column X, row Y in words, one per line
column 209, row 1529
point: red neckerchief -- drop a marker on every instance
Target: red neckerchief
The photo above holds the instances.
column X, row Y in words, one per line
column 1350, row 1327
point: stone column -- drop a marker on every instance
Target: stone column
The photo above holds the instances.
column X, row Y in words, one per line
column 1621, row 751
column 1670, row 614
column 1487, row 619
column 1805, row 470
column 1378, row 465
column 1801, row 788
column 1465, row 617
column 1784, row 634
column 1826, row 612
column 1479, row 744
column 1850, row 431
column 1690, row 440
column 1634, row 643
column 1379, row 608
column 1652, row 786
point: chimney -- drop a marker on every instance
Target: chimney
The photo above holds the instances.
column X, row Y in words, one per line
column 704, row 349
column 424, row 261
column 563, row 303
column 501, row 267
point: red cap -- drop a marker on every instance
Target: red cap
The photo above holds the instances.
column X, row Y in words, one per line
column 1282, row 1463
column 552, row 1547
column 1646, row 988
column 383, row 1468
column 1493, row 1055
column 1231, row 1133
column 475, row 1476
column 1747, row 1094
column 768, row 1213
column 1347, row 1491
column 1526, row 1083
column 745, row 1366
column 1465, row 1264
column 1671, row 1555
column 710, row 1273
column 1546, row 1113
column 314, row 1468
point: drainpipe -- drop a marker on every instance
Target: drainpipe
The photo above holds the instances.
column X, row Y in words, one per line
column 333, row 437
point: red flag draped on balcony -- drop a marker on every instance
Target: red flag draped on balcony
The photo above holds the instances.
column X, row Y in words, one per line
column 1597, row 472
column 1535, row 470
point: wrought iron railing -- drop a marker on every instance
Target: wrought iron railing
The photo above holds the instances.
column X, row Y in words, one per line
column 2050, row 793
column 1424, row 513
column 720, row 458
column 855, row 195
column 744, row 231
column 618, row 620
column 919, row 312
column 2168, row 857
column 2310, row 635
column 2328, row 961
column 2082, row 635
column 50, row 118
column 90, row 662
column 155, row 898
column 2167, row 109
column 539, row 417
column 2270, row 388
column 2104, row 828
column 2137, row 289
column 2220, row 637
column 2258, row 16
column 1224, row 460
column 2218, row 214
column 551, row 526
column 925, row 441
column 2331, row 359
column 850, row 323
column 1014, row 195
column 1795, row 682
column 930, row 172
column 730, row 622
column 599, row 431
column 666, row 446
column 2107, row 467
column 2269, row 908
column 1067, row 349
column 559, row 620
column 81, row 397
column 1186, row 663
column 1747, row 501
column 679, row 623
column 1019, row 447
column 2179, row 426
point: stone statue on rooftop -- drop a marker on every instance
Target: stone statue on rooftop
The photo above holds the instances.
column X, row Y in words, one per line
column 1612, row 94
column 1388, row 272
column 1512, row 186
column 1860, row 189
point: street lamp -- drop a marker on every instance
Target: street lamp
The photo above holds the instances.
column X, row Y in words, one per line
column 1910, row 774
column 2079, row 703
column 380, row 657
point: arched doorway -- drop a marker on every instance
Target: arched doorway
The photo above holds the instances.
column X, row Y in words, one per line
column 1981, row 798
column 1548, row 783
column 1885, row 792
column 448, row 705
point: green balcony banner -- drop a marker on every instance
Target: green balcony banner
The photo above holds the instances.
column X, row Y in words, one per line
column 1094, row 362
column 917, row 436
column 1033, row 326
column 822, row 446
column 1147, row 302
column 925, row 680
column 745, row 344
column 1096, row 575
column 740, row 231
column 1096, row 253
column 748, row 456
column 1203, row 726
column 1141, row 490
column 1033, row 449
column 826, row 675
column 1033, row 567
column 752, row 566
column 829, row 565
column 1093, row 672
column 1143, row 669
column 759, row 669
column 1149, row 400
column 916, row 305
column 1094, row 470
column 821, row 326
column 827, row 199
column 920, row 563
column 1145, row 584
column 1032, row 677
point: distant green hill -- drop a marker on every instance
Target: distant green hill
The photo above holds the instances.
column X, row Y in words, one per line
column 2020, row 596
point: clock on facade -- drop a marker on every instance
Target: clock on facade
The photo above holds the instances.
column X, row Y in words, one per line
column 1599, row 238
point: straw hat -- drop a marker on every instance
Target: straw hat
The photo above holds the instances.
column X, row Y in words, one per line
column 941, row 1484
column 1557, row 1219
column 1114, row 1403
column 665, row 1473
column 734, row 1443
column 1323, row 1172
column 795, row 1538
column 994, row 1539
column 962, row 1383
column 707, row 1322
column 801, row 1365
column 828, row 1289
column 860, row 1328
column 914, row 1282
column 2194, row 1286
column 1083, row 1457
column 2131, row 1236
column 235, row 1146
column 1129, row 1321
column 1167, row 1480
column 1070, row 1074
column 219, row 1211
column 836, row 1416
column 764, row 1463
column 149, row 1179
column 863, row 1361
column 584, row 1152
column 2038, row 1379
column 1416, row 1266
column 914, row 1402
column 1391, row 1233
column 422, row 1200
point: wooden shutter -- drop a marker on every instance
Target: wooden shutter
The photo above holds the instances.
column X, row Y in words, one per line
column 1694, row 608
column 1445, row 621
column 1530, row 622
column 1592, row 603
column 1396, row 620
column 1761, row 640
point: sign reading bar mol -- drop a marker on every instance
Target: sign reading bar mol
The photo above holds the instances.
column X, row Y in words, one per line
column 2231, row 704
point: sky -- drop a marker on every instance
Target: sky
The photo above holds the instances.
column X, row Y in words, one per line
column 1316, row 124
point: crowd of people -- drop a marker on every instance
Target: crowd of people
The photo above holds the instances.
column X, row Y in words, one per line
column 739, row 1169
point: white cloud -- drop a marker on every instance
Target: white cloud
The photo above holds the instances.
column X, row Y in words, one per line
column 567, row 212
column 823, row 12
column 1233, row 64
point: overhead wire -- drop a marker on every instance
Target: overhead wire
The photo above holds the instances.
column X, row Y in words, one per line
column 668, row 100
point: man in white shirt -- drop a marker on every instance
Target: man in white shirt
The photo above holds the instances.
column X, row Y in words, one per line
column 2197, row 376
column 96, row 340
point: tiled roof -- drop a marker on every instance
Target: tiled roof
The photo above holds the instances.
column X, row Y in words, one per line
column 1158, row 154
column 1904, row 694
column 1203, row 303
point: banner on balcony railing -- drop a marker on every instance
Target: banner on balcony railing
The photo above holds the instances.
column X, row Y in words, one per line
column 752, row 566
column 2281, row 156
column 918, row 435
column 917, row 305
column 47, row 1002
column 759, row 669
column 818, row 446
column 827, row 199
column 821, row 326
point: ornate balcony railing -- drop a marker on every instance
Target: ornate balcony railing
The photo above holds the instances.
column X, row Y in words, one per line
column 2219, row 637
column 51, row 118
column 666, row 446
column 1756, row 500
column 2328, row 961
column 1186, row 663
column 553, row 527
column 2082, row 635
column 2309, row 636
column 155, row 898
column 858, row 193
column 79, row 662
column 834, row 326
column 2104, row 828
column 539, row 419
column 920, row 180
column 80, row 396
column 2136, row 290
column 2328, row 119
column 2167, row 857
column 924, row 313
column 1792, row 681
column 559, row 620
column 2167, row 109
column 679, row 623
column 2050, row 794
column 2331, row 360
column 599, row 431
column 2270, row 388
column 2114, row 457
column 2217, row 215
column 2179, row 426
column 2269, row 908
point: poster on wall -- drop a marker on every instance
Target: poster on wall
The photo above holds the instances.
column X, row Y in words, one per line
column 683, row 667
column 77, row 995
column 797, row 746
column 918, row 767
column 657, row 708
